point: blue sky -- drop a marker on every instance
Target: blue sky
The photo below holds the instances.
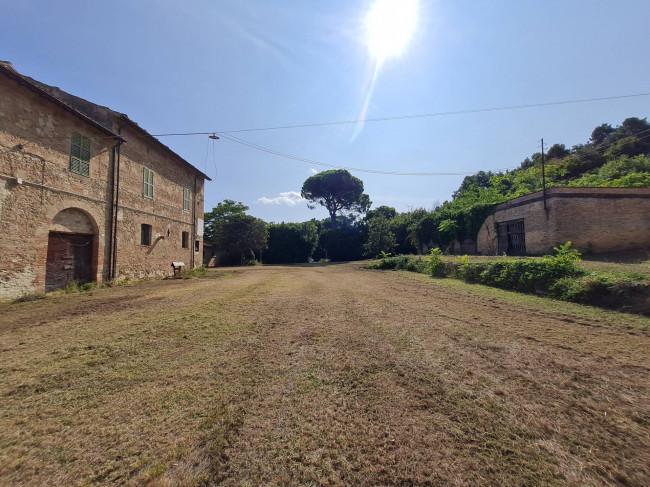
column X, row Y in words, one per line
column 226, row 65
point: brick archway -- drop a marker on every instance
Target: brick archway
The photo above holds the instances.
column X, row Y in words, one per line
column 71, row 249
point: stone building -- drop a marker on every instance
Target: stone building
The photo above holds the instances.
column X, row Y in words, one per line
column 595, row 220
column 86, row 194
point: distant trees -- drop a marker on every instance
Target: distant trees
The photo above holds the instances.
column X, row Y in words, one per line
column 231, row 230
column 557, row 151
column 336, row 190
column 219, row 215
column 291, row 242
column 380, row 237
column 613, row 157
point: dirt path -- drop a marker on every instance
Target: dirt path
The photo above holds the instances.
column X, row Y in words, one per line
column 318, row 376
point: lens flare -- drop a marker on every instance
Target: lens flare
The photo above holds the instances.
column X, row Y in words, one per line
column 390, row 24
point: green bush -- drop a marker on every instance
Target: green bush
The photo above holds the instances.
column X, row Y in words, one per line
column 399, row 262
column 434, row 265
column 525, row 275
column 406, row 263
column 600, row 289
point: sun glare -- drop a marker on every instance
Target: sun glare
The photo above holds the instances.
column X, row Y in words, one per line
column 390, row 25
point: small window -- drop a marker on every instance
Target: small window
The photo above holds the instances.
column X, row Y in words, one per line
column 186, row 199
column 197, row 245
column 145, row 234
column 80, row 154
column 147, row 183
column 185, row 240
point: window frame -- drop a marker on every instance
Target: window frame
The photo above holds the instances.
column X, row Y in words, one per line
column 187, row 198
column 79, row 162
column 147, row 183
column 142, row 234
column 185, row 240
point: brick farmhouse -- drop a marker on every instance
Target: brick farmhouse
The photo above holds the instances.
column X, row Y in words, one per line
column 86, row 194
column 595, row 220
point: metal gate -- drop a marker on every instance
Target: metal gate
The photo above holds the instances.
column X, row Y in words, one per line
column 69, row 259
column 512, row 237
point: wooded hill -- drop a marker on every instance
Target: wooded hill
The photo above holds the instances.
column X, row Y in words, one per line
column 613, row 157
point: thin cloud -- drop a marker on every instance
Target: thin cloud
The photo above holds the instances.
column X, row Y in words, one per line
column 313, row 171
column 289, row 198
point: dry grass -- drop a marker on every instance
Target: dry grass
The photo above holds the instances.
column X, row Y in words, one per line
column 320, row 376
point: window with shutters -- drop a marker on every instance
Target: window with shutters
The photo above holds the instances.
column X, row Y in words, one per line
column 145, row 234
column 147, row 183
column 186, row 199
column 80, row 154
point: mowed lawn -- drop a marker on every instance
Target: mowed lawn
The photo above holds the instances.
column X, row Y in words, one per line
column 321, row 375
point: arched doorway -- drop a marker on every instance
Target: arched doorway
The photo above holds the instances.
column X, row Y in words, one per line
column 70, row 249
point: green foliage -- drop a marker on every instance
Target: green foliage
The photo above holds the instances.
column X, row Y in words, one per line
column 219, row 215
column 342, row 244
column 291, row 242
column 388, row 212
column 434, row 265
column 616, row 157
column 601, row 289
column 401, row 263
column 567, row 254
column 336, row 190
column 624, row 171
column 197, row 272
column 448, row 226
column 241, row 234
column 525, row 275
column 381, row 239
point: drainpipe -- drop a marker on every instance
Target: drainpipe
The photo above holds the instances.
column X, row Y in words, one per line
column 116, row 205
column 110, row 230
column 193, row 245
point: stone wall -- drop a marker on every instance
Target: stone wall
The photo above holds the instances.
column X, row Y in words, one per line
column 593, row 219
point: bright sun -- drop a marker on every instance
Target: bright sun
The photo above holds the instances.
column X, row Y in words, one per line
column 390, row 25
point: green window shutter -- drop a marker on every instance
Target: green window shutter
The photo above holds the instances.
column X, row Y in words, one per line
column 80, row 154
column 147, row 183
column 186, row 199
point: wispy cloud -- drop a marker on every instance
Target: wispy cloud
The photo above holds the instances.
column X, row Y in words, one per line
column 313, row 171
column 289, row 198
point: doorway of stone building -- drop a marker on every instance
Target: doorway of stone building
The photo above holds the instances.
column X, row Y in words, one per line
column 70, row 250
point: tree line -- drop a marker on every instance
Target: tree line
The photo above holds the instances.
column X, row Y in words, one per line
column 612, row 157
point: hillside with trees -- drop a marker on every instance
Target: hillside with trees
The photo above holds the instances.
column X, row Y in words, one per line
column 613, row 156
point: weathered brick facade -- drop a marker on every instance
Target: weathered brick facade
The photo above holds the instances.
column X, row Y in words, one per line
column 41, row 198
column 593, row 219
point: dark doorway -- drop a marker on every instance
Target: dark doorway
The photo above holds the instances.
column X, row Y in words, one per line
column 512, row 237
column 69, row 259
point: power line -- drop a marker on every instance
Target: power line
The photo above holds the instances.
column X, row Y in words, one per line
column 336, row 166
column 383, row 119
column 407, row 117
column 252, row 145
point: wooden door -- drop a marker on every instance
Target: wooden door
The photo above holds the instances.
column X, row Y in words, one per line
column 69, row 259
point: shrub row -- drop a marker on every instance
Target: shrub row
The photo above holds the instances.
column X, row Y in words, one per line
column 555, row 276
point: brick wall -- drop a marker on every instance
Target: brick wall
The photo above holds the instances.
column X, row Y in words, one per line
column 164, row 212
column 36, row 185
column 593, row 219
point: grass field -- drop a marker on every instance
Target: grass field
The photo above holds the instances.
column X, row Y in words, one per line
column 321, row 375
